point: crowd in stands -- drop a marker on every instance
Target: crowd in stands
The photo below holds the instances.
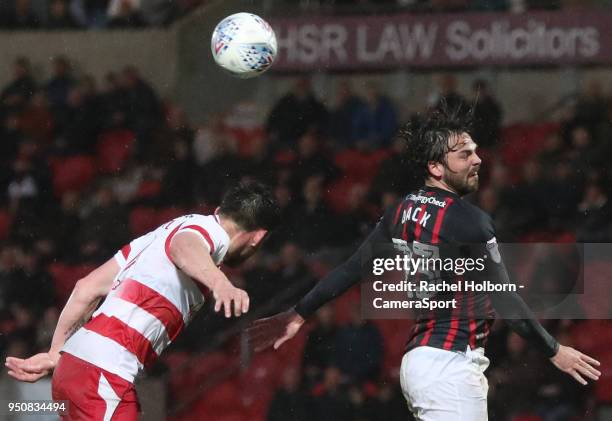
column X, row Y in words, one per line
column 133, row 14
column 64, row 15
column 86, row 165
column 449, row 6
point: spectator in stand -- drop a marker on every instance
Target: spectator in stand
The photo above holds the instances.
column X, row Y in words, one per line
column 80, row 129
column 291, row 402
column 22, row 16
column 225, row 168
column 179, row 126
column 357, row 222
column 31, row 285
column 16, row 94
column 105, row 216
column 319, row 348
column 311, row 161
column 177, row 184
column 288, row 207
column 66, row 220
column 349, row 120
column 393, row 174
column 591, row 108
column 358, row 349
column 60, row 84
column 22, row 335
column 124, row 14
column 113, row 101
column 530, row 196
column 487, row 115
column 143, row 108
column 583, row 154
column 11, row 136
column 91, row 14
column 447, row 93
column 595, row 216
column 295, row 114
column 388, row 404
column 37, row 122
column 513, row 380
column 330, row 400
column 60, row 16
column 381, row 120
column 208, row 138
column 23, row 187
column 543, row 4
column 314, row 223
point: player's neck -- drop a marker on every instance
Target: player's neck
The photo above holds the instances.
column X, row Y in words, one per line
column 230, row 227
column 440, row 185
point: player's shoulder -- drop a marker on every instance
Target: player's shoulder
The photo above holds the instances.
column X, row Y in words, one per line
column 466, row 222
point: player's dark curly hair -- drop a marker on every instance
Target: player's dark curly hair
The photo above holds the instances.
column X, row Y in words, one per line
column 252, row 205
column 428, row 139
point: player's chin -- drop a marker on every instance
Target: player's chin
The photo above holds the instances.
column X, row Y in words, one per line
column 472, row 183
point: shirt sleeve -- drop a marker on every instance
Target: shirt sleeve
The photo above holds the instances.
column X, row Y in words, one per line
column 472, row 227
column 122, row 257
column 202, row 232
column 344, row 276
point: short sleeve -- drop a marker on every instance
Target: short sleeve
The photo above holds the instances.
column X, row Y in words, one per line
column 123, row 255
column 211, row 233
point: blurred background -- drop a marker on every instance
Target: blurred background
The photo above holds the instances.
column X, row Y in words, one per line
column 114, row 119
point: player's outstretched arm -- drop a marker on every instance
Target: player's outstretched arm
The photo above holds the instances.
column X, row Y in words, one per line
column 521, row 319
column 81, row 304
column 280, row 328
column 190, row 254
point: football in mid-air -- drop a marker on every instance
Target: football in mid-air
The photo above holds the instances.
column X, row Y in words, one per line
column 244, row 44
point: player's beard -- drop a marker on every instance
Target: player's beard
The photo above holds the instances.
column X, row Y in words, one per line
column 463, row 183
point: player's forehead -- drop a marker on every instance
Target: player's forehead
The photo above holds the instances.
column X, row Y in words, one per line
column 461, row 142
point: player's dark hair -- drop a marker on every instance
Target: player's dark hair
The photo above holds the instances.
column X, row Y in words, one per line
column 428, row 139
column 252, row 205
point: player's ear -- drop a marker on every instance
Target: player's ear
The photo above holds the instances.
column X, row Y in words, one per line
column 436, row 169
column 258, row 236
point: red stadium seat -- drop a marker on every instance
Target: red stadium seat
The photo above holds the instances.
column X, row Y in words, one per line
column 114, row 149
column 73, row 173
column 358, row 166
column 5, row 224
column 149, row 189
column 338, row 194
column 167, row 214
column 519, row 142
column 65, row 277
column 142, row 220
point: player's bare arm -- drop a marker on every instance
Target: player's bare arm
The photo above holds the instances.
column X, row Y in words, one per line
column 190, row 254
column 85, row 296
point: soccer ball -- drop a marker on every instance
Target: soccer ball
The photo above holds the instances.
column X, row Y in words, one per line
column 244, row 44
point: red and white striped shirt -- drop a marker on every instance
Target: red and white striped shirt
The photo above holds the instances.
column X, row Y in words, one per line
column 150, row 302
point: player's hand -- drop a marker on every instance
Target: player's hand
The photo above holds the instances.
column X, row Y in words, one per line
column 274, row 330
column 32, row 369
column 226, row 295
column 576, row 364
